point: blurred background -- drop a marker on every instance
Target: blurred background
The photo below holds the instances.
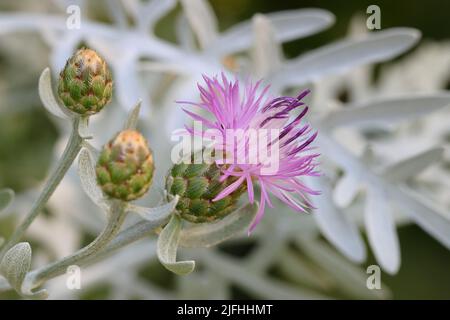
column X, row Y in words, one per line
column 29, row 136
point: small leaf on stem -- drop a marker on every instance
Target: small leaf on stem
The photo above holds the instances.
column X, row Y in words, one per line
column 167, row 248
column 47, row 97
column 157, row 213
column 86, row 171
column 209, row 234
column 133, row 117
column 6, row 197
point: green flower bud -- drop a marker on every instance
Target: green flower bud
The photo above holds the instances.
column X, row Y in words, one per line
column 85, row 83
column 125, row 166
column 197, row 185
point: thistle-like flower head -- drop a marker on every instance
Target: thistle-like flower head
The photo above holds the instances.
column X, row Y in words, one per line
column 125, row 166
column 85, row 84
column 286, row 154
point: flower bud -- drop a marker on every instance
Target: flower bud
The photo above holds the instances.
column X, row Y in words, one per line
column 125, row 166
column 197, row 185
column 85, row 83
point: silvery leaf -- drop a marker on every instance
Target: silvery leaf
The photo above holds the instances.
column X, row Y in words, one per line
column 287, row 25
column 83, row 128
column 86, row 171
column 410, row 167
column 92, row 150
column 167, row 246
column 210, row 234
column 14, row 267
column 6, row 197
column 296, row 269
column 341, row 56
column 345, row 190
column 160, row 213
column 63, row 48
column 47, row 97
column 261, row 286
column 149, row 13
column 381, row 229
column 266, row 53
column 133, row 117
column 350, row 278
column 202, row 20
column 429, row 217
column 386, row 110
column 128, row 86
column 334, row 224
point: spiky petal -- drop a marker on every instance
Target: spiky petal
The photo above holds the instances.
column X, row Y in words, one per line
column 232, row 107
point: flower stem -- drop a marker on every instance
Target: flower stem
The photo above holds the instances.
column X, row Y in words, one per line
column 115, row 220
column 73, row 147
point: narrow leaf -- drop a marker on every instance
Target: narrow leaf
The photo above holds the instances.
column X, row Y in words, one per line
column 6, row 197
column 334, row 224
column 433, row 220
column 47, row 97
column 410, row 167
column 210, row 234
column 345, row 190
column 287, row 25
column 381, row 230
column 86, row 171
column 155, row 214
column 202, row 20
column 133, row 117
column 167, row 246
column 343, row 55
column 348, row 277
column 266, row 53
column 386, row 110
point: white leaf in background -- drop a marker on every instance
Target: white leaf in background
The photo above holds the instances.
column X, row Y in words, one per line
column 160, row 213
column 287, row 25
column 426, row 214
column 150, row 12
column 6, row 197
column 63, row 48
column 133, row 117
column 350, row 278
column 341, row 56
column 381, row 229
column 116, row 12
column 386, row 110
column 402, row 170
column 345, row 190
column 86, row 171
column 184, row 34
column 266, row 53
column 210, row 234
column 202, row 20
column 128, row 86
column 334, row 224
column 167, row 246
column 262, row 287
column 47, row 96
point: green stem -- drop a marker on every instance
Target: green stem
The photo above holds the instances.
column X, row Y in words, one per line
column 115, row 220
column 73, row 147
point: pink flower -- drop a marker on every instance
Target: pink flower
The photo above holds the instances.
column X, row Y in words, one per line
column 231, row 108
